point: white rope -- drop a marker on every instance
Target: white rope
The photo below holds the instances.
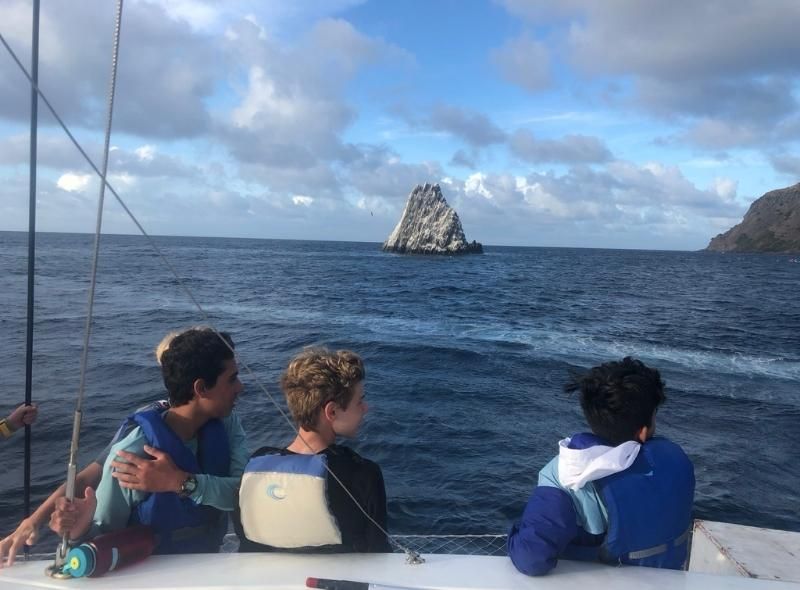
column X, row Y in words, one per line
column 412, row 556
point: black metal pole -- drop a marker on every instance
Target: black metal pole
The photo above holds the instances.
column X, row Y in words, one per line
column 31, row 248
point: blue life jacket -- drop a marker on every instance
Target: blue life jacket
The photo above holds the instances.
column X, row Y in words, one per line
column 181, row 525
column 649, row 508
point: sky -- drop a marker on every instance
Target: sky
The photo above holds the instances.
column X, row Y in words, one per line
column 650, row 124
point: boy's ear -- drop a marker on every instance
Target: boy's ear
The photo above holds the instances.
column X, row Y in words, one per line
column 643, row 434
column 329, row 411
column 199, row 387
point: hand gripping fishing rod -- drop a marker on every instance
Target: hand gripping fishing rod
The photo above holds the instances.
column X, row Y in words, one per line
column 57, row 569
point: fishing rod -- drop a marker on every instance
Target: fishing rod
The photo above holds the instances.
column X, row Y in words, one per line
column 31, row 254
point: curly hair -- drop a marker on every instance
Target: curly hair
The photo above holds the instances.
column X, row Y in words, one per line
column 197, row 353
column 317, row 376
column 618, row 398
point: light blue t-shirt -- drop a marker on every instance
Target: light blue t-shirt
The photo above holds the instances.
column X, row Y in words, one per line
column 589, row 508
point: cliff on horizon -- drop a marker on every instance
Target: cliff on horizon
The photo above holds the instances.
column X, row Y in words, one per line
column 772, row 224
column 429, row 226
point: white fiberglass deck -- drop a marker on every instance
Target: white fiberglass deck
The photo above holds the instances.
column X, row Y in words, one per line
column 734, row 549
column 265, row 571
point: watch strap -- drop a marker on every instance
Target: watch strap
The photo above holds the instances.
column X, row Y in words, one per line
column 188, row 486
column 5, row 430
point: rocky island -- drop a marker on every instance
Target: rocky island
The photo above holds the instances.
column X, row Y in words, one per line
column 772, row 224
column 429, row 226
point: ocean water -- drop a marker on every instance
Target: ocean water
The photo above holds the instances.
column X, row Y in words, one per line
column 465, row 359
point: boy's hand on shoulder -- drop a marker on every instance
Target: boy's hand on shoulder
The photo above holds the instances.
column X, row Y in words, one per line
column 157, row 474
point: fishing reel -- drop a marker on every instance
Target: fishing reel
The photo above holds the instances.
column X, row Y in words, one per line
column 56, row 569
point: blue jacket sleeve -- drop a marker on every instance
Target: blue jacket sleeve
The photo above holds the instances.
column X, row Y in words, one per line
column 547, row 526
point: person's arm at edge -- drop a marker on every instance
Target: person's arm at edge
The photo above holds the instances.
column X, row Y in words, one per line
column 27, row 532
column 23, row 415
column 218, row 491
column 547, row 526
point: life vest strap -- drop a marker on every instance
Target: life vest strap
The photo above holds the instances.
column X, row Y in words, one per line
column 649, row 552
column 683, row 538
column 658, row 549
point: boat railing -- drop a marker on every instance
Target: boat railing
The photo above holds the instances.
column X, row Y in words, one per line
column 489, row 544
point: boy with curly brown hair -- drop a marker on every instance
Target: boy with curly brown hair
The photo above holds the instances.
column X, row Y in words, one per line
column 315, row 495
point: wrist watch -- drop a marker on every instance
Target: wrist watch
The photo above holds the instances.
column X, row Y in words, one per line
column 5, row 428
column 188, row 486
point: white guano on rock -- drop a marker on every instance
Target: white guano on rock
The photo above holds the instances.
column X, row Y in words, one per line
column 429, row 226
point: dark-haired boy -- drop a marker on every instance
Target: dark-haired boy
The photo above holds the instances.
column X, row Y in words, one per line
column 617, row 494
column 194, row 438
column 289, row 498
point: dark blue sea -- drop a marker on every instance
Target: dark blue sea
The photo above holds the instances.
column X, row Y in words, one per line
column 465, row 357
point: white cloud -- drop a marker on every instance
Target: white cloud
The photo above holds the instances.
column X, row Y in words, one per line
column 262, row 32
column 74, row 183
column 537, row 197
column 263, row 104
column 292, row 113
column 199, row 14
column 122, row 180
column 302, row 200
column 729, row 75
column 167, row 69
column 474, row 184
column 725, row 188
column 146, row 153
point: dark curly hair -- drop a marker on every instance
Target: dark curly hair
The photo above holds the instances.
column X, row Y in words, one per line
column 619, row 397
column 198, row 353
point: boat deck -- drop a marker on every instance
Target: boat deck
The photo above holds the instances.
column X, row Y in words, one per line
column 273, row 571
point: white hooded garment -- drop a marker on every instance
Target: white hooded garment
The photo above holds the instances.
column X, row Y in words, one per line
column 576, row 467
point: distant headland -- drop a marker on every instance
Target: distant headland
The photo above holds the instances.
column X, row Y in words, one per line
column 429, row 226
column 772, row 224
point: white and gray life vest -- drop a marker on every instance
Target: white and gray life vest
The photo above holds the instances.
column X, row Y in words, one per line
column 284, row 504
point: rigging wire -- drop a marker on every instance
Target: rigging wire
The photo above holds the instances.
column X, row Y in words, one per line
column 412, row 557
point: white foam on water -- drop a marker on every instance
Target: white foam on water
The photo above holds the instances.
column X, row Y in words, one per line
column 577, row 347
column 564, row 344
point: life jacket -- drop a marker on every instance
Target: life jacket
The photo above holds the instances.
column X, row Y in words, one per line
column 181, row 525
column 283, row 502
column 649, row 508
column 127, row 424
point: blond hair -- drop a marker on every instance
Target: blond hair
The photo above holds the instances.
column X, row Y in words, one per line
column 317, row 376
column 162, row 346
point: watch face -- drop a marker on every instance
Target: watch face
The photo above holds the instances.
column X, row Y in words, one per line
column 189, row 485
